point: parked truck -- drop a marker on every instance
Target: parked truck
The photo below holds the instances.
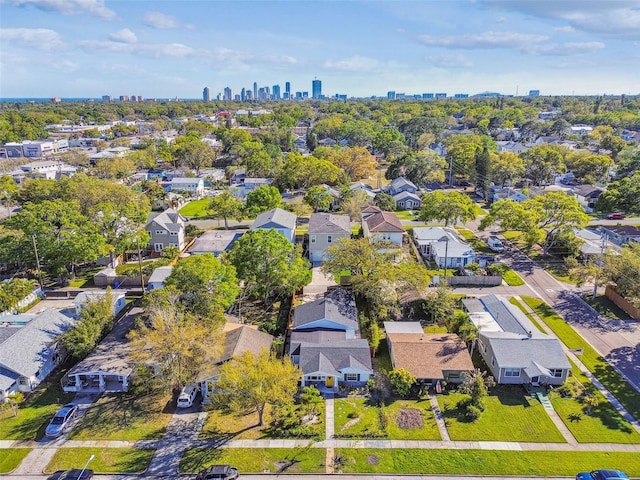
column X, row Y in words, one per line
column 495, row 244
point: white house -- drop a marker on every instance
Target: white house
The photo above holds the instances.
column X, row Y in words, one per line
column 444, row 246
column 118, row 299
column 383, row 227
column 193, row 186
column 158, row 277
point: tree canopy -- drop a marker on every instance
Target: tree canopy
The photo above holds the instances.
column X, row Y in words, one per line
column 449, row 207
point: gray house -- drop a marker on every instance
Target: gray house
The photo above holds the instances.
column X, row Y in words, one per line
column 621, row 234
column 335, row 311
column 407, row 201
column 401, row 184
column 166, row 229
column 29, row 349
column 278, row 219
column 324, row 230
column 515, row 351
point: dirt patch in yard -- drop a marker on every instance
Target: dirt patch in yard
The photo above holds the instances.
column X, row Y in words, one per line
column 410, row 419
column 350, row 424
column 373, row 460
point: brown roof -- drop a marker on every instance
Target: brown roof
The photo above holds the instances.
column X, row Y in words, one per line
column 384, row 222
column 428, row 355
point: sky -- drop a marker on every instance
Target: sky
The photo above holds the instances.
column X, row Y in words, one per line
column 168, row 48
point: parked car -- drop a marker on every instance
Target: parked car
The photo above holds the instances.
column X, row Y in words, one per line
column 616, row 216
column 73, row 474
column 187, row 396
column 61, row 421
column 218, row 472
column 495, row 244
column 601, row 475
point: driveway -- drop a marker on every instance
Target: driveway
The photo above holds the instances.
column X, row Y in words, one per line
column 319, row 283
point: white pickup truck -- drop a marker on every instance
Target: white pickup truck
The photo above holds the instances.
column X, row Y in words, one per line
column 495, row 244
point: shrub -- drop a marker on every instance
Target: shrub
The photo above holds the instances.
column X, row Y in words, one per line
column 401, row 380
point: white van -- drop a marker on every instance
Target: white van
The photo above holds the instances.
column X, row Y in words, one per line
column 187, row 396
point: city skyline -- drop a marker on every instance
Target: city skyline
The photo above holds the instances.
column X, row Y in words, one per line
column 89, row 48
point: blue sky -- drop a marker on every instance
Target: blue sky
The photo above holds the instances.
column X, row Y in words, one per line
column 165, row 49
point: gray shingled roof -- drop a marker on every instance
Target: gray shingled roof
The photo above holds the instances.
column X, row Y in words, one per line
column 507, row 316
column 331, row 357
column 337, row 305
column 400, row 182
column 29, row 348
column 314, row 336
column 275, row 218
column 215, row 241
column 513, row 350
column 160, row 274
column 170, row 220
column 329, row 223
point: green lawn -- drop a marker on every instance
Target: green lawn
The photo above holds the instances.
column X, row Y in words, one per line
column 393, row 409
column 34, row 414
column 106, row 460
column 133, row 269
column 406, row 214
column 356, row 418
column 125, row 417
column 478, row 245
column 510, row 416
column 195, row 208
column 597, row 365
column 10, row 458
column 512, row 278
column 256, row 460
column 484, row 462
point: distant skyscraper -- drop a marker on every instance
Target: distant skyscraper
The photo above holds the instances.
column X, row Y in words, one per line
column 107, row 98
column 243, row 95
column 249, row 94
column 206, row 94
column 255, row 90
column 316, row 89
column 534, row 93
column 287, row 88
column 227, row 94
column 391, row 95
column 275, row 92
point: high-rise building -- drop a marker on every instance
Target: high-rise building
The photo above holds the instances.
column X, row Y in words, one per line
column 255, row 90
column 124, row 98
column 534, row 93
column 227, row 94
column 287, row 88
column 316, row 89
column 275, row 92
column 206, row 94
column 243, row 95
column 391, row 95
column 107, row 98
column 249, row 94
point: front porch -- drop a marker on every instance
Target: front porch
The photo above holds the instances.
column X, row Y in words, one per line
column 95, row 383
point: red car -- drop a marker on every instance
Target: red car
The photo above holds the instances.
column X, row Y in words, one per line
column 616, row 216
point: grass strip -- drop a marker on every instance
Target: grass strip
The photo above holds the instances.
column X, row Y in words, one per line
column 595, row 363
column 515, row 302
column 10, row 458
column 512, row 278
column 106, row 460
column 484, row 462
column 256, row 460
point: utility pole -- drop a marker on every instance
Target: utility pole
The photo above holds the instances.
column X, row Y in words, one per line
column 603, row 246
column 35, row 249
column 446, row 253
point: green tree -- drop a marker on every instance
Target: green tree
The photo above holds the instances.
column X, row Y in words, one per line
column 226, row 206
column 476, row 384
column 352, row 203
column 542, row 162
column 8, row 191
column 179, row 345
column 318, row 198
column 385, row 202
column 250, row 383
column 269, row 264
column 449, row 207
column 96, row 319
column 506, row 167
column 207, row 286
column 418, row 167
column 623, row 271
column 548, row 217
column 263, row 199
column 622, row 195
column 402, row 381
column 356, row 162
column 462, row 151
column 483, row 162
column 190, row 151
column 440, row 304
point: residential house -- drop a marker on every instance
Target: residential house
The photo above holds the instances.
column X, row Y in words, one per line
column 370, row 210
column 193, row 186
column 363, row 187
column 383, row 227
column 324, row 230
column 158, row 277
column 507, row 193
column 587, row 196
column 278, row 219
column 430, row 358
column 238, row 339
column 336, row 310
column 510, row 146
column 407, row 201
column 29, row 349
column 336, row 196
column 118, row 299
column 444, row 246
column 513, row 348
column 335, row 364
column 108, row 368
column 215, row 241
column 621, row 234
column 401, row 184
column 166, row 229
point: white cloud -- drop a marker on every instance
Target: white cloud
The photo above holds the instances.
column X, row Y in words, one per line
column 568, row 48
column 162, row 21
column 40, row 38
column 450, row 61
column 487, row 40
column 94, row 8
column 125, row 36
column 150, row 50
column 353, row 64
